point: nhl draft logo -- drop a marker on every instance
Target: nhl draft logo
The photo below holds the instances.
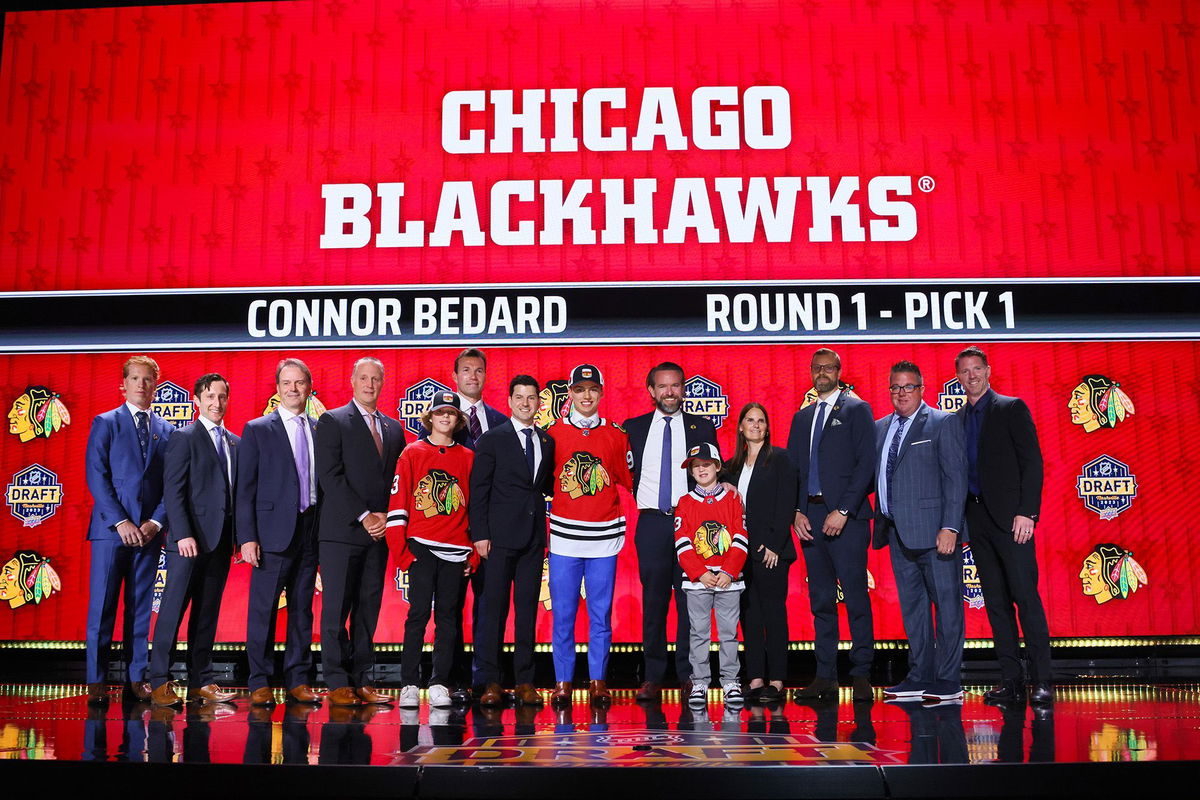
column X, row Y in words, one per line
column 37, row 413
column 313, row 408
column 972, row 588
column 34, row 495
column 704, row 398
column 810, row 396
column 27, row 577
column 1098, row 402
column 402, row 583
column 174, row 404
column 416, row 401
column 160, row 581
column 1110, row 573
column 1107, row 487
column 952, row 397
column 554, row 402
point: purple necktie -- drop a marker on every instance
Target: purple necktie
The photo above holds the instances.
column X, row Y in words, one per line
column 302, row 462
column 473, row 426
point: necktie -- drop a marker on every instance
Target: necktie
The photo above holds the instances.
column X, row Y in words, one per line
column 473, row 426
column 302, row 461
column 893, row 451
column 219, row 435
column 814, row 471
column 665, row 472
column 143, row 431
column 374, row 426
column 529, row 450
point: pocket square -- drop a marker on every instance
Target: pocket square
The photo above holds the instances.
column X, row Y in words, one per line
column 833, row 422
column 923, row 441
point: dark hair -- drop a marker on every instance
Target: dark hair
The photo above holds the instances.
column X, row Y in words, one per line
column 970, row 352
column 825, row 351
column 205, row 381
column 523, row 380
column 666, row 366
column 906, row 366
column 470, row 352
column 742, row 449
column 292, row 362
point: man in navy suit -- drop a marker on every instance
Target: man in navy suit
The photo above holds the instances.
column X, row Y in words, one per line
column 357, row 447
column 659, row 441
column 832, row 445
column 511, row 476
column 275, row 517
column 124, row 467
column 200, row 473
column 921, row 485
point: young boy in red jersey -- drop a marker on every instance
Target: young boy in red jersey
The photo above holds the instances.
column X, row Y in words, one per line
column 429, row 506
column 711, row 544
column 587, row 530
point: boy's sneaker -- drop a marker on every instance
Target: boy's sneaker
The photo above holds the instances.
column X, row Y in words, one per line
column 733, row 693
column 410, row 697
column 698, row 696
column 439, row 696
column 943, row 690
column 905, row 690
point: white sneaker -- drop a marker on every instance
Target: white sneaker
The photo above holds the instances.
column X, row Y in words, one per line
column 698, row 696
column 439, row 696
column 409, row 716
column 733, row 693
column 410, row 697
column 440, row 716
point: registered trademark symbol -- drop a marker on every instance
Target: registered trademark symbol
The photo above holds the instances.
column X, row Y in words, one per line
column 925, row 183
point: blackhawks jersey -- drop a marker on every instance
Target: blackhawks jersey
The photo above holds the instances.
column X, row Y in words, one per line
column 429, row 501
column 710, row 533
column 589, row 465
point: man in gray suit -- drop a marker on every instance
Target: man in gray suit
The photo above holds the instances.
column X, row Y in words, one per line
column 921, row 486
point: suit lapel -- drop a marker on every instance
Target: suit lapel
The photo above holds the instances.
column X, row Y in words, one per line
column 358, row 423
column 917, row 429
column 806, row 424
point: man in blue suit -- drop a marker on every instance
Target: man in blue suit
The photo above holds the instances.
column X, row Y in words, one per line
column 275, row 517
column 832, row 445
column 200, row 473
column 921, row 486
column 124, row 465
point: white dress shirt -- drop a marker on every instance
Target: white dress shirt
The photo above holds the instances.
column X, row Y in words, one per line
column 647, row 489
column 466, row 404
column 209, row 425
column 537, row 446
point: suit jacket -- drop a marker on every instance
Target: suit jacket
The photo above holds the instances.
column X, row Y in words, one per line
column 770, row 504
column 508, row 505
column 846, row 455
column 463, row 436
column 1010, row 460
column 695, row 430
column 929, row 484
column 122, row 483
column 352, row 475
column 267, row 491
column 198, row 499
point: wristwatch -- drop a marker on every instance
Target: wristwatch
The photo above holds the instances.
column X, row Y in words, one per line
column 845, row 512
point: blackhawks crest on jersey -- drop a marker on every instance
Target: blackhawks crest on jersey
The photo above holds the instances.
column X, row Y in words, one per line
column 583, row 474
column 438, row 493
column 712, row 538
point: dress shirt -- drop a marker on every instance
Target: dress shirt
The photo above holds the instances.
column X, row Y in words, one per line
column 647, row 489
column 208, row 426
column 830, row 402
column 290, row 428
column 537, row 446
column 466, row 404
column 134, row 411
column 744, row 479
column 975, row 416
column 580, row 421
column 881, row 483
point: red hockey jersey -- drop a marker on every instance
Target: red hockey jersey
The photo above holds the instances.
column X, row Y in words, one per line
column 710, row 534
column 429, row 502
column 589, row 465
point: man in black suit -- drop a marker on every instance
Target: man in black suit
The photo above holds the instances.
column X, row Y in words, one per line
column 357, row 447
column 199, row 474
column 512, row 474
column 276, row 501
column 1004, row 496
column 832, row 445
column 659, row 442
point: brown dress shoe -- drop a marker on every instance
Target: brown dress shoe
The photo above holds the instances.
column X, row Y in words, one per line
column 493, row 695
column 139, row 691
column 650, row 692
column 368, row 695
column 345, row 696
column 210, row 694
column 259, row 714
column 97, row 694
column 862, row 689
column 818, row 689
column 303, row 694
column 165, row 695
column 527, row 695
column 598, row 693
column 561, row 696
column 262, row 696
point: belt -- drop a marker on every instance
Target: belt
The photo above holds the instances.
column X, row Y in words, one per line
column 668, row 513
column 974, row 498
column 817, row 498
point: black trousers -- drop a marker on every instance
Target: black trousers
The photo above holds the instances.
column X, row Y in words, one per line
column 765, row 619
column 830, row 560
column 460, row 667
column 519, row 573
column 200, row 582
column 1008, row 575
column 661, row 577
column 353, row 576
column 434, row 586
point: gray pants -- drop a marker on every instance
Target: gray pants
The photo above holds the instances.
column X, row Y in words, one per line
column 700, row 605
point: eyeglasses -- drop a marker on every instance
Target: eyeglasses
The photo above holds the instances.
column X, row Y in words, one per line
column 905, row 389
column 829, row 368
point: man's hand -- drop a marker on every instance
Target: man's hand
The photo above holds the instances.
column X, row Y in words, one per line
column 729, row 487
column 708, row 579
column 376, row 524
column 802, row 527
column 945, row 541
column 834, row 522
column 251, row 553
column 1022, row 529
column 149, row 529
column 723, row 580
column 187, row 547
column 131, row 535
column 483, row 547
column 770, row 557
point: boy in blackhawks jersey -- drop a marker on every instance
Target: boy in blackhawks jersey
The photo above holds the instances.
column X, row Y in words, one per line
column 429, row 510
column 711, row 543
column 587, row 530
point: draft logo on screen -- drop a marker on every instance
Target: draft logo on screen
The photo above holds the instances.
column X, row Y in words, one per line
column 34, row 495
column 174, row 404
column 705, row 398
column 416, row 402
column 1107, row 487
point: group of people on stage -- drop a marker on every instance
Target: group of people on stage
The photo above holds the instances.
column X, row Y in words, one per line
column 465, row 505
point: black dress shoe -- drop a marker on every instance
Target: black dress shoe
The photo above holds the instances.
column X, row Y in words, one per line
column 769, row 694
column 461, row 696
column 754, row 694
column 1008, row 691
column 1041, row 692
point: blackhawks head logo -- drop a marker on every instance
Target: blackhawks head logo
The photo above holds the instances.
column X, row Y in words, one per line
column 1110, row 573
column 313, row 408
column 38, row 412
column 28, row 578
column 554, row 402
column 438, row 493
column 1098, row 402
column 583, row 474
column 711, row 538
column 810, row 396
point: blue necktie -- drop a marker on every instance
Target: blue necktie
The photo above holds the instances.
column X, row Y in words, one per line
column 814, row 471
column 219, row 435
column 893, row 451
column 664, row 469
column 529, row 451
column 143, row 431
